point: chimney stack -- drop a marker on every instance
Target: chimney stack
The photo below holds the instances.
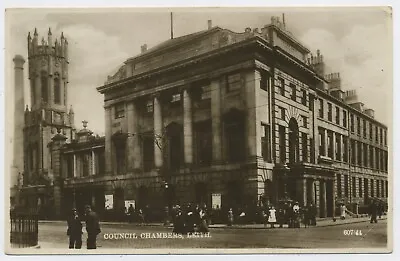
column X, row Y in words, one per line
column 143, row 48
column 19, row 119
column 209, row 24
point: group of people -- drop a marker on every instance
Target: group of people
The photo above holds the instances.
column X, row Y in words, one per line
column 74, row 230
column 190, row 219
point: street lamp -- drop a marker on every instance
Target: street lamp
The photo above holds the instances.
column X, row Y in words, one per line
column 166, row 195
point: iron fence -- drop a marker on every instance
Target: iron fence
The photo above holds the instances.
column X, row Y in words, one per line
column 23, row 230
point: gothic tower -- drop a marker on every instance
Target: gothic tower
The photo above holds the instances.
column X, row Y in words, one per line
column 48, row 81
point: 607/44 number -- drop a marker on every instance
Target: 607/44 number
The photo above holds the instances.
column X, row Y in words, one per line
column 352, row 232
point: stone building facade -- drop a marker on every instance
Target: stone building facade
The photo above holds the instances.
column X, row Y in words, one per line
column 246, row 118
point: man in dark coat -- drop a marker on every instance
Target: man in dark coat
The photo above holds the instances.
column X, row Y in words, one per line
column 373, row 211
column 92, row 227
column 74, row 230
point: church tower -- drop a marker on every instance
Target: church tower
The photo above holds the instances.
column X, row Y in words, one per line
column 49, row 113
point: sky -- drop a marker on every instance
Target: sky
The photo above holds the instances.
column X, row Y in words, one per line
column 357, row 42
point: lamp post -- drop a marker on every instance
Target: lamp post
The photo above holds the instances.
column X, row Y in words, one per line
column 167, row 203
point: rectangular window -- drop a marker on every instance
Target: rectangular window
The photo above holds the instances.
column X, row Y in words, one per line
column 283, row 113
column 365, row 155
column 304, row 119
column 364, row 128
column 330, row 144
column 120, row 156
column 381, row 136
column 352, row 123
column 377, row 160
column 304, row 146
column 234, row 82
column 353, row 151
column 360, row 187
column 337, row 116
column 329, row 112
column 312, row 150
column 370, row 131
column 344, row 119
column 311, row 102
column 372, row 188
column 353, row 186
column 371, row 157
column 359, row 153
column 282, row 144
column 346, row 186
column 339, row 185
column 321, row 108
column 119, row 110
column 265, row 82
column 376, row 134
column 282, row 86
column 345, row 149
column 322, row 144
column 203, row 135
column 378, row 191
column 149, row 106
column 206, row 92
column 304, row 98
column 294, row 92
column 266, row 142
column 358, row 126
column 338, row 147
column 387, row 188
column 385, row 137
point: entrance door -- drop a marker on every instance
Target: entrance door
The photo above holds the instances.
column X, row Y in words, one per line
column 329, row 198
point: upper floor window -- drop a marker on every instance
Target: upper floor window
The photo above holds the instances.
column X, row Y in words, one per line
column 283, row 113
column 119, row 110
column 304, row 97
column 358, row 126
column 293, row 95
column 57, row 91
column 234, row 82
column 376, row 134
column 351, row 122
column 329, row 112
column 264, row 82
column 282, row 86
column 337, row 116
column 385, row 137
column 304, row 119
column 364, row 128
column 44, row 83
column 266, row 142
column 321, row 108
column 370, row 131
column 381, row 136
column 344, row 119
column 311, row 102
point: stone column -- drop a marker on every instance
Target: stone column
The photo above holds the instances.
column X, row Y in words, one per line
column 253, row 124
column 75, row 167
column 158, row 131
column 322, row 185
column 216, row 119
column 93, row 163
column 108, row 142
column 187, row 127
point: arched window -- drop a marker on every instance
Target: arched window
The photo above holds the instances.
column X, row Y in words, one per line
column 44, row 84
column 293, row 141
column 57, row 91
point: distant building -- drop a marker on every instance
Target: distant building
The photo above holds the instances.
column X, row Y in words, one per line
column 241, row 118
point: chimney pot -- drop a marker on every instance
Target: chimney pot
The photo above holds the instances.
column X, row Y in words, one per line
column 144, row 48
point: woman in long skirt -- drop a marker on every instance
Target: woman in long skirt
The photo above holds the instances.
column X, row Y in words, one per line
column 272, row 216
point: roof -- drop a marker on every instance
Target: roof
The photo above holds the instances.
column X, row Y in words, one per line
column 174, row 42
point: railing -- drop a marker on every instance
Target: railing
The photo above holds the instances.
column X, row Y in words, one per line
column 23, row 229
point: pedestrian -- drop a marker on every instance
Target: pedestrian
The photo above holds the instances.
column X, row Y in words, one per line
column 313, row 214
column 92, row 227
column 281, row 216
column 190, row 219
column 203, row 221
column 380, row 210
column 131, row 213
column 272, row 216
column 343, row 211
column 141, row 216
column 373, row 211
column 230, row 217
column 296, row 215
column 306, row 216
column 74, row 230
column 179, row 222
column 265, row 213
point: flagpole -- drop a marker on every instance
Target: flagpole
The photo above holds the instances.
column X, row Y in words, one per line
column 172, row 28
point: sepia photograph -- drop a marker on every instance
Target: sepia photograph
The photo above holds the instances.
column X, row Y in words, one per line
column 198, row 130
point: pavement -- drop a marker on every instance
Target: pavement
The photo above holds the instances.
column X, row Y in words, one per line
column 321, row 222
